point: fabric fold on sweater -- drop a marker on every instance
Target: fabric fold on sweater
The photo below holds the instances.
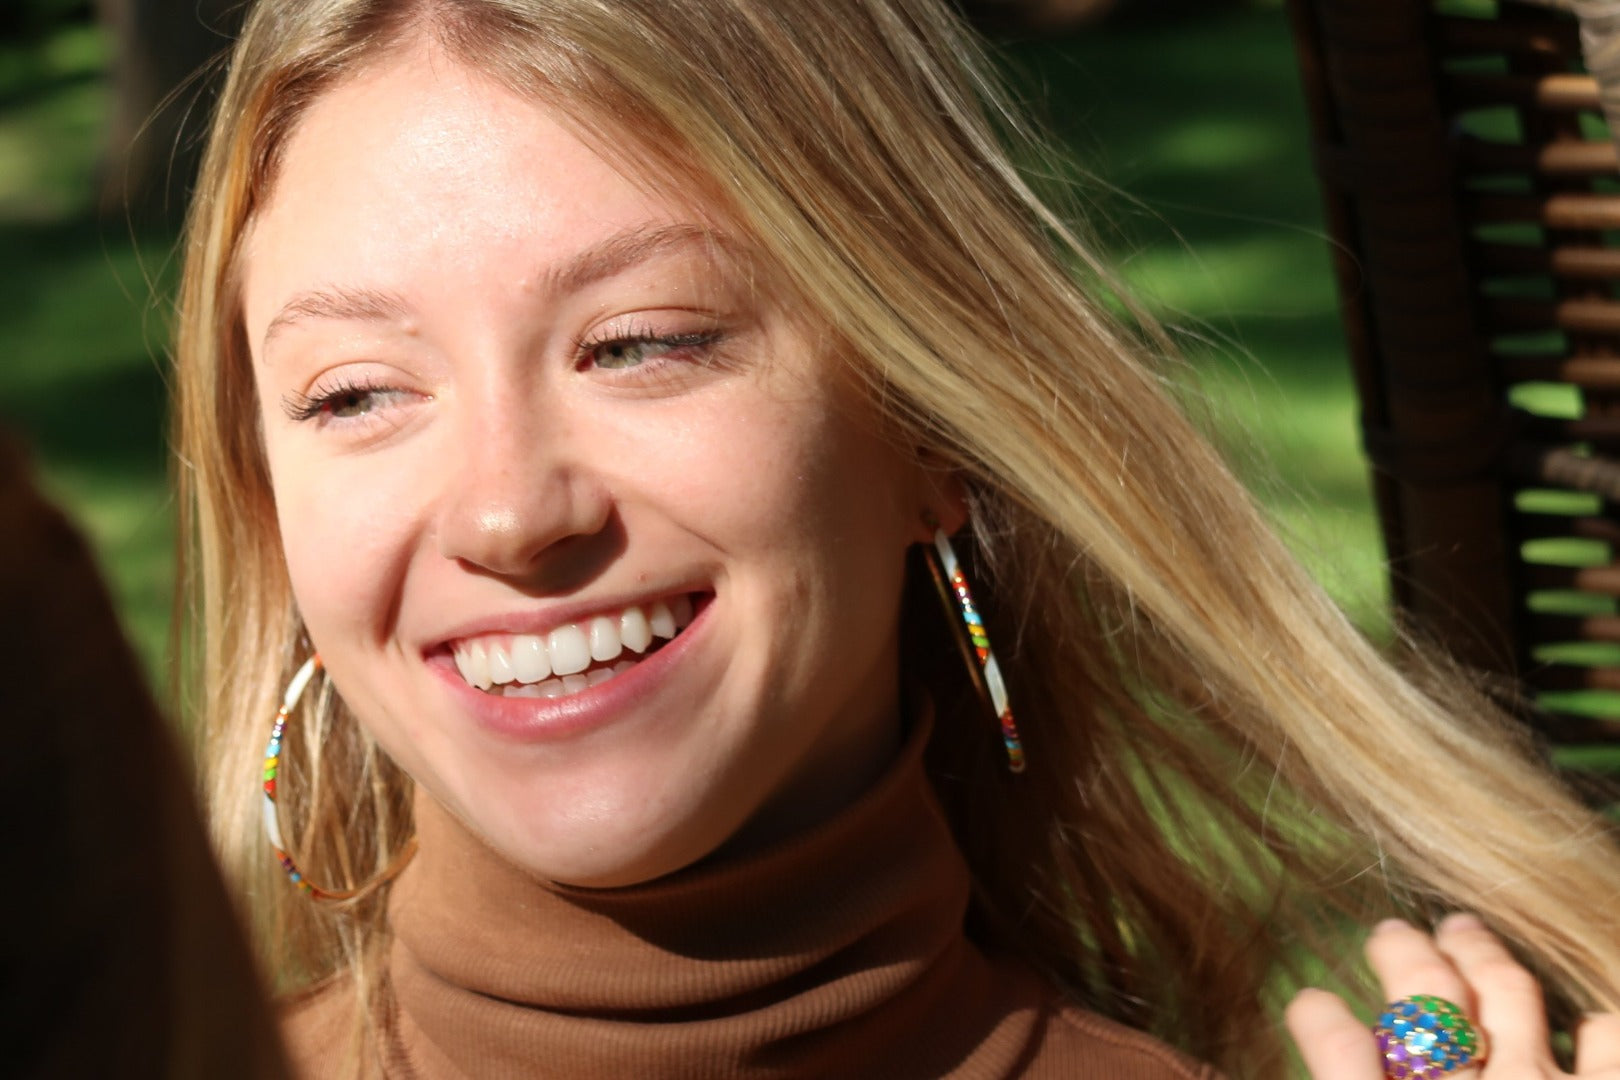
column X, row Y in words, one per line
column 839, row 953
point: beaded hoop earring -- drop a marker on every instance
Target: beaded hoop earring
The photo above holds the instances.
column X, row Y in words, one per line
column 957, row 597
column 272, row 824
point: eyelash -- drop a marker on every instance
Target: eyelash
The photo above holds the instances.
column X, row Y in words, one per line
column 301, row 407
column 630, row 337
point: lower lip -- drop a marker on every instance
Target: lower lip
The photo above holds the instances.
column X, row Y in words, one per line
column 552, row 719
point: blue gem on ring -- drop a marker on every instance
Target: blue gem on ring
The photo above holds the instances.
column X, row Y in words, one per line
column 1423, row 1036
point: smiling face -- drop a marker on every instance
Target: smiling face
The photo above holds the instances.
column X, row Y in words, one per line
column 589, row 535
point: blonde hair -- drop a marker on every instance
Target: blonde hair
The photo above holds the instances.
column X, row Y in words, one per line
column 1223, row 774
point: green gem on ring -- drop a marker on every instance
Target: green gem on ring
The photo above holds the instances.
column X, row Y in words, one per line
column 1423, row 1036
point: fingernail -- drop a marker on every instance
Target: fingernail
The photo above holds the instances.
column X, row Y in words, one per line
column 1462, row 920
column 1387, row 925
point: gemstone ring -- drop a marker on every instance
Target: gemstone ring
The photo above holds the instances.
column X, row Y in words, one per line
column 1423, row 1036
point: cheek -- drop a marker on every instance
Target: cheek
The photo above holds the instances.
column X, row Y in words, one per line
column 794, row 482
column 345, row 534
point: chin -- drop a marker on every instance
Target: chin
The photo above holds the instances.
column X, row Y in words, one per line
column 613, row 862
column 619, row 835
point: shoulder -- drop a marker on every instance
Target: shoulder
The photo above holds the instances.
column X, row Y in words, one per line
column 1077, row 1042
column 319, row 1028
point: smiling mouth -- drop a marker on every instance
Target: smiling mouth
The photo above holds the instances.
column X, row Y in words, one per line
column 572, row 657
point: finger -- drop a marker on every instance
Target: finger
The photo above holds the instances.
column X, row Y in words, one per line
column 1507, row 996
column 1407, row 962
column 1332, row 1042
column 1597, row 1043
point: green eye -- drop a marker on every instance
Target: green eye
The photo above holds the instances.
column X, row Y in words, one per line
column 627, row 354
column 345, row 401
column 647, row 350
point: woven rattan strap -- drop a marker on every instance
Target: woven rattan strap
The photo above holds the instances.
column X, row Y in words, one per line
column 1600, row 49
column 1475, row 209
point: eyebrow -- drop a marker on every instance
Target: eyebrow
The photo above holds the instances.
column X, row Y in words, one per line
column 598, row 262
column 337, row 302
column 624, row 250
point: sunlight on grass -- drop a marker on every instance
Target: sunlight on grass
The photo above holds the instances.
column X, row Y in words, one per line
column 1222, row 143
column 1214, row 218
column 1558, row 400
column 1272, row 273
column 48, row 141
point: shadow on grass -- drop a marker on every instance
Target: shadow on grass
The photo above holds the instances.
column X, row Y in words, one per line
column 80, row 386
column 108, row 421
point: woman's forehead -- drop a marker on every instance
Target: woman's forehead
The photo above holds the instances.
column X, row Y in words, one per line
column 420, row 163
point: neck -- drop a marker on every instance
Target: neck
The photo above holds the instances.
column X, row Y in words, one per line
column 827, row 947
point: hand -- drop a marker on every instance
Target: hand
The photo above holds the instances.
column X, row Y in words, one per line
column 1465, row 963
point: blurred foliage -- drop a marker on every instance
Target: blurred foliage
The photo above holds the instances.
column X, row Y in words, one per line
column 79, row 316
column 1193, row 161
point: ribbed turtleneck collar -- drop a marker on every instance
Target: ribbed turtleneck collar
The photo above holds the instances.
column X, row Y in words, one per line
column 838, row 953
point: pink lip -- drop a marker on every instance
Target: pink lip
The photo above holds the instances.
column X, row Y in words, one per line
column 536, row 720
column 543, row 622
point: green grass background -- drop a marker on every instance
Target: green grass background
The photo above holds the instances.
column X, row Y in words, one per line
column 1191, row 132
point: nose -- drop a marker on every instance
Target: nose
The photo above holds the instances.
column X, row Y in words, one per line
column 520, row 501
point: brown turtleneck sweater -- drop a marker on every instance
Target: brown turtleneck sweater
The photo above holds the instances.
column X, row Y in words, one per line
column 837, row 954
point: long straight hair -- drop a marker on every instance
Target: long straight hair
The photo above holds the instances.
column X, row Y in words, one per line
column 1223, row 775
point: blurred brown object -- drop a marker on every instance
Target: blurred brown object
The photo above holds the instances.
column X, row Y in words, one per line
column 122, row 956
column 1046, row 17
column 1049, row 15
column 167, row 56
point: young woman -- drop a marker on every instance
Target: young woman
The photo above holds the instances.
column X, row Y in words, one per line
column 587, row 383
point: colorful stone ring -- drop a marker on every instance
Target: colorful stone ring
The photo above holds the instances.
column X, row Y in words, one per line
column 1423, row 1036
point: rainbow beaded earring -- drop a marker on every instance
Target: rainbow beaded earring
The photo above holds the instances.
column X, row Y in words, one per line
column 957, row 597
column 272, row 825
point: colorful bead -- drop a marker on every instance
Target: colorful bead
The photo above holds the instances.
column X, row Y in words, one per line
column 272, row 766
column 953, row 582
column 1423, row 1036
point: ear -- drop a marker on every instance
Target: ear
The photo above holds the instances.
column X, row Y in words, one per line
column 944, row 501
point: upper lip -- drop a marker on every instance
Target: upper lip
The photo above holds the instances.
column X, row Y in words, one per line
column 550, row 618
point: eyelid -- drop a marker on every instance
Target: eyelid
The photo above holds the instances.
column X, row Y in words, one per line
column 300, row 406
column 659, row 325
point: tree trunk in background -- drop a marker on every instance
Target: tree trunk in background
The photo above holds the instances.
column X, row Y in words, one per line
column 165, row 68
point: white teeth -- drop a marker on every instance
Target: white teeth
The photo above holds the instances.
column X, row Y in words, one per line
column 604, row 638
column 530, row 660
column 463, row 658
column 568, row 684
column 500, row 665
column 478, row 663
column 633, row 630
column 521, row 665
column 570, row 652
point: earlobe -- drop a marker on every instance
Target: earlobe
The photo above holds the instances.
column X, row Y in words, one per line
column 945, row 505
